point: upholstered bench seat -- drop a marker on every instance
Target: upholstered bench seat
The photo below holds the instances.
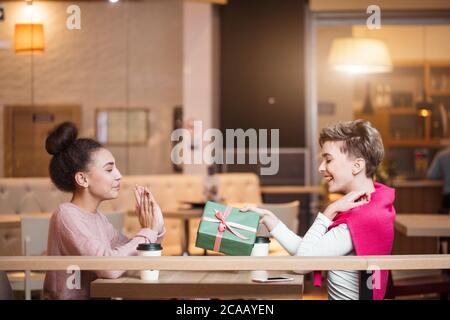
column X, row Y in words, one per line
column 35, row 195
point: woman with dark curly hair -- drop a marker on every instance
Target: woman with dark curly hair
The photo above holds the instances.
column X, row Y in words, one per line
column 88, row 170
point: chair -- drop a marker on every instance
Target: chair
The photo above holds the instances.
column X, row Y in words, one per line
column 287, row 212
column 34, row 236
column 5, row 287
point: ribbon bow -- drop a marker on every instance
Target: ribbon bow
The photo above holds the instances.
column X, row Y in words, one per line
column 220, row 218
column 223, row 225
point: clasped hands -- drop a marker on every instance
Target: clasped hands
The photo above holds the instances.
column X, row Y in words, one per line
column 147, row 209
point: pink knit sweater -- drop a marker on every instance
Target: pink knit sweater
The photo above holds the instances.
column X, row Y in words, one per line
column 76, row 232
column 372, row 229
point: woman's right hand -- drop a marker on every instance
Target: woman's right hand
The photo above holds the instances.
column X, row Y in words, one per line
column 268, row 218
column 145, row 208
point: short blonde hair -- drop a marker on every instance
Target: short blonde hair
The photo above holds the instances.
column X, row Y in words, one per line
column 360, row 140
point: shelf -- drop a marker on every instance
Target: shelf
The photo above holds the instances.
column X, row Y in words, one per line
column 398, row 183
column 421, row 63
column 403, row 111
column 408, row 63
column 389, row 110
column 407, row 128
column 414, row 143
column 439, row 92
column 438, row 63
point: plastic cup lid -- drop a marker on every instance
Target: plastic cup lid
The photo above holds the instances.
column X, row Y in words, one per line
column 262, row 240
column 149, row 247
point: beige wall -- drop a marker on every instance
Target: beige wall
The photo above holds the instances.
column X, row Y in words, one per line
column 345, row 5
column 129, row 50
column 2, row 163
column 200, row 35
column 413, row 42
column 332, row 86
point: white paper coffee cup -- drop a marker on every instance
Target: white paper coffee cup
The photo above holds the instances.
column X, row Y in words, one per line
column 149, row 250
column 260, row 249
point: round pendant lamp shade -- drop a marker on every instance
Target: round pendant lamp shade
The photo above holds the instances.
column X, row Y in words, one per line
column 359, row 56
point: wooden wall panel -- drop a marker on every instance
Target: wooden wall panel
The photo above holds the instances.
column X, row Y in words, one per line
column 26, row 128
column 416, row 200
column 261, row 67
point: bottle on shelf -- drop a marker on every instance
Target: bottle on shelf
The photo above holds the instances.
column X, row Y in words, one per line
column 379, row 100
column 421, row 161
column 387, row 98
column 367, row 106
column 211, row 185
column 444, row 84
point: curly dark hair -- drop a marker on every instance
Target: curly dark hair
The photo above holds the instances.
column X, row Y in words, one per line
column 70, row 155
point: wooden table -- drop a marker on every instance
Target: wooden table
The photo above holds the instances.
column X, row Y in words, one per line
column 199, row 284
column 423, row 225
column 426, row 225
column 292, row 189
column 9, row 221
column 12, row 221
column 10, row 231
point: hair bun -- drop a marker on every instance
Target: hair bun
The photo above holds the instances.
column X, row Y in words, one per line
column 61, row 137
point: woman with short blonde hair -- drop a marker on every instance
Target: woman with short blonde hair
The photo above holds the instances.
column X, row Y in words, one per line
column 360, row 223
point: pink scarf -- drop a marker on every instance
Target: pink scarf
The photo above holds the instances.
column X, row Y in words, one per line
column 372, row 230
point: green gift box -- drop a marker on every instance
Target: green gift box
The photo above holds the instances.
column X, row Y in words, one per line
column 227, row 230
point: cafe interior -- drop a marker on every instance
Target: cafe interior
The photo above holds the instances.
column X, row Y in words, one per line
column 130, row 73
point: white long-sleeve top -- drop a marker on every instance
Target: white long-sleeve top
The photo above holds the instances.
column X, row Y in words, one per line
column 318, row 241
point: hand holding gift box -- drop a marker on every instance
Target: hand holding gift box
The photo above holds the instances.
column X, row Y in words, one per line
column 227, row 230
